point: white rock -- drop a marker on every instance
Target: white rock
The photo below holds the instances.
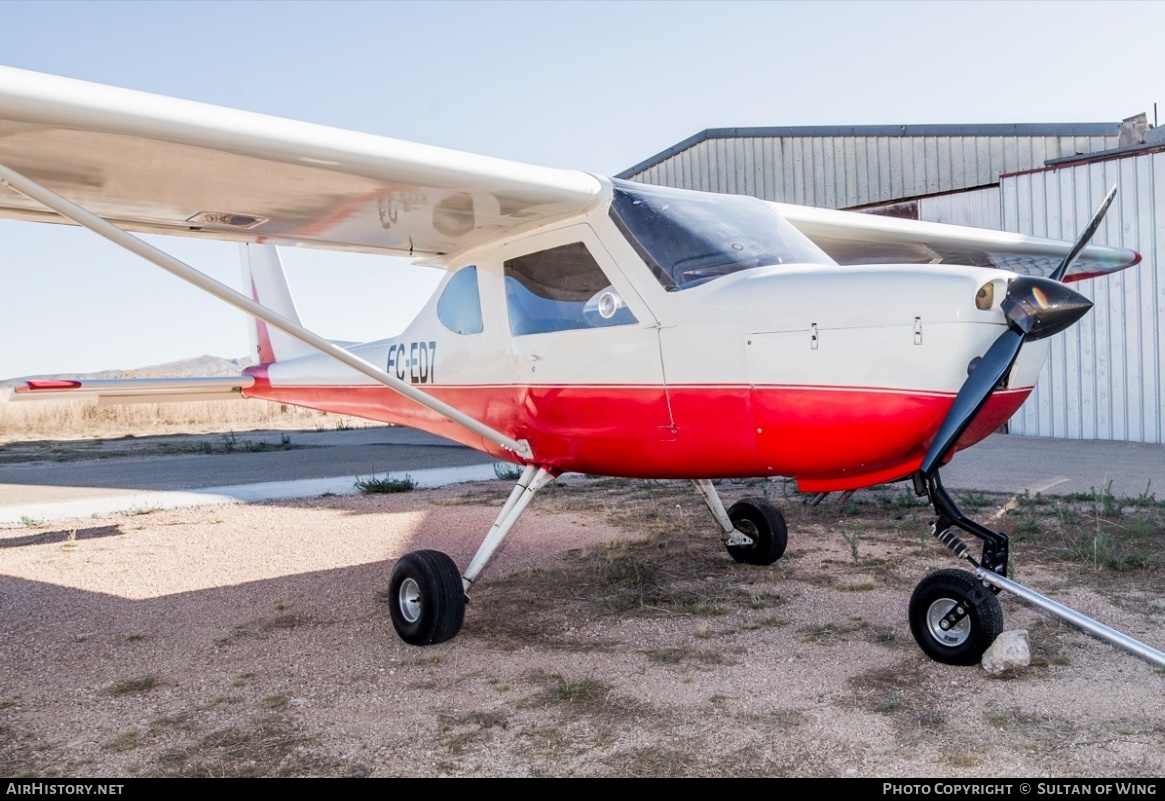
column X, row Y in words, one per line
column 1009, row 653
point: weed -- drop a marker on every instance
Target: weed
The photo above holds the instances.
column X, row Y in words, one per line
column 973, row 501
column 373, row 485
column 30, row 522
column 1028, row 527
column 1069, row 515
column 898, row 503
column 890, row 704
column 140, row 684
column 1147, row 498
column 1103, row 551
column 823, row 630
column 758, row 600
column 274, row 701
column 963, row 760
column 579, row 691
column 229, row 442
column 343, row 425
column 710, row 607
column 1110, row 507
column 285, row 441
column 135, row 511
column 668, row 656
column 126, row 741
column 282, row 622
column 852, row 540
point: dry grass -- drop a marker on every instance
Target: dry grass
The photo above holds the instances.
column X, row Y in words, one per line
column 83, row 419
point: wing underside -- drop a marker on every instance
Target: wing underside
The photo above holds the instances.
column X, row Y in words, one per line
column 160, row 165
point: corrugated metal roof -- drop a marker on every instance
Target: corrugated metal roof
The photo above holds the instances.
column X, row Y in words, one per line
column 1014, row 129
column 861, row 166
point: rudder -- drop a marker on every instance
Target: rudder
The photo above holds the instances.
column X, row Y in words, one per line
column 263, row 274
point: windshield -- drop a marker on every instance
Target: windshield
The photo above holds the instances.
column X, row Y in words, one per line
column 688, row 238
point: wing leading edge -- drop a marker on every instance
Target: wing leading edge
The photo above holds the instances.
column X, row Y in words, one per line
column 161, row 165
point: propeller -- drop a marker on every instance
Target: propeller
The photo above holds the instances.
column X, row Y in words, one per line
column 1035, row 308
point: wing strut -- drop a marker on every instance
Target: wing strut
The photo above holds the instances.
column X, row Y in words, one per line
column 71, row 211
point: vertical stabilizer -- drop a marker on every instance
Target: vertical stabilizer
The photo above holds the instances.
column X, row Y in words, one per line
column 263, row 275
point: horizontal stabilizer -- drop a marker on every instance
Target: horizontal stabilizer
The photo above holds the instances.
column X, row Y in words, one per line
column 137, row 390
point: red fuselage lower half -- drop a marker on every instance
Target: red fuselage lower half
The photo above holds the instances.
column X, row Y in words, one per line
column 829, row 438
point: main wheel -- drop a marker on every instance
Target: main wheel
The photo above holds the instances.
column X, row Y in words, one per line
column 964, row 642
column 765, row 525
column 426, row 597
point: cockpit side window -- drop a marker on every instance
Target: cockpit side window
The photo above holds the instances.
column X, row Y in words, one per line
column 688, row 238
column 560, row 289
column 459, row 307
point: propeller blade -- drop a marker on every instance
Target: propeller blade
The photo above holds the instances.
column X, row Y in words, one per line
column 1085, row 236
column 1035, row 308
column 972, row 396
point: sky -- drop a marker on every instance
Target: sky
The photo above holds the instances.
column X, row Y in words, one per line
column 597, row 86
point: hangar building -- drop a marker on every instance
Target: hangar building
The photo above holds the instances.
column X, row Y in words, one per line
column 1104, row 376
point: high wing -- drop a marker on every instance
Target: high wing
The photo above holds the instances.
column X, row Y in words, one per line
column 161, row 165
column 854, row 238
column 156, row 164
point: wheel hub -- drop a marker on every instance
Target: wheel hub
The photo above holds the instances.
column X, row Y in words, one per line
column 744, row 534
column 940, row 627
column 409, row 600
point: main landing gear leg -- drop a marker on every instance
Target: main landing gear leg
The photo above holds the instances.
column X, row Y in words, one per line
column 754, row 529
column 955, row 616
column 427, row 595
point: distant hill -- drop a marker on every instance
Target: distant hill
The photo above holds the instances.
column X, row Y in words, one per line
column 199, row 365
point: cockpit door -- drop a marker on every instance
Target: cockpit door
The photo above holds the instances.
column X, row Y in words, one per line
column 585, row 348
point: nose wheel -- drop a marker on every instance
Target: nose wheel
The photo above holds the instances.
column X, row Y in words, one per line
column 954, row 618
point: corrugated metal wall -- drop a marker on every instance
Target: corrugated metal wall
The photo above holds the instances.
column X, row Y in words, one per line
column 978, row 208
column 844, row 171
column 1103, row 378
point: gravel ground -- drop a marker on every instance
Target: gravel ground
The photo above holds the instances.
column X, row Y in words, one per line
column 254, row 641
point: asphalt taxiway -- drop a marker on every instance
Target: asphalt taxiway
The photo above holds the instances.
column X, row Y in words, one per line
column 329, row 462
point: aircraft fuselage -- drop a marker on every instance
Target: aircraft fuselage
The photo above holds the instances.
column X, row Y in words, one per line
column 838, row 376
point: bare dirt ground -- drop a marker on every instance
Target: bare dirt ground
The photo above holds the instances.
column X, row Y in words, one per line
column 612, row 636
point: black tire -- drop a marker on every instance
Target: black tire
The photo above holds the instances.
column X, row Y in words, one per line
column 765, row 524
column 426, row 598
column 965, row 643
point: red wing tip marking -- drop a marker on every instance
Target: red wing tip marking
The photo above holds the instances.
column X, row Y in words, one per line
column 33, row 386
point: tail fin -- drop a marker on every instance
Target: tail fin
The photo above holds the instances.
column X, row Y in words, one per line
column 263, row 274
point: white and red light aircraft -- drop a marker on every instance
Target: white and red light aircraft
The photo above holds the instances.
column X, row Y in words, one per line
column 585, row 324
